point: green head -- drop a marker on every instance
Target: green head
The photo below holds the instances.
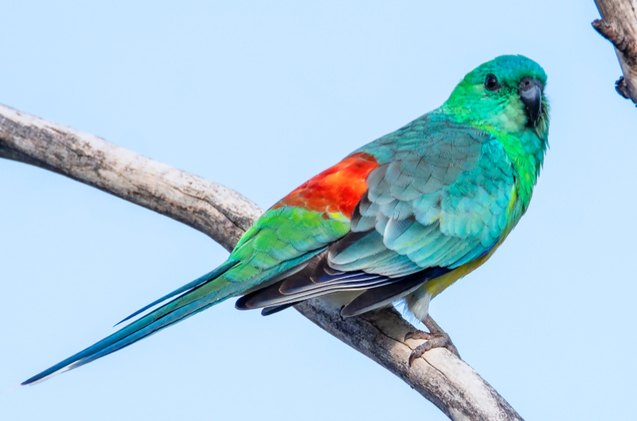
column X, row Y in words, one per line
column 505, row 94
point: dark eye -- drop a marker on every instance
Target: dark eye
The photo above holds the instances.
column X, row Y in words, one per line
column 491, row 82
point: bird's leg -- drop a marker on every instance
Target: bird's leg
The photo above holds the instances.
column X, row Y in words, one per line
column 435, row 338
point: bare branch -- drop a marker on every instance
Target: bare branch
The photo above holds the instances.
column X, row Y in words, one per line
column 223, row 214
column 619, row 25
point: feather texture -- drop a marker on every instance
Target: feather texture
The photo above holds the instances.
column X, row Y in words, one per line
column 401, row 217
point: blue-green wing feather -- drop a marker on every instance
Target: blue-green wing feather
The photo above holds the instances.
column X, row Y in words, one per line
column 440, row 199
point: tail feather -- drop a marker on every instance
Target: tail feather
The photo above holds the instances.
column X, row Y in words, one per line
column 195, row 297
column 183, row 289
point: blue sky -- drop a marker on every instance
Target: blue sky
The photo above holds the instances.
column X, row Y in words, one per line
column 260, row 97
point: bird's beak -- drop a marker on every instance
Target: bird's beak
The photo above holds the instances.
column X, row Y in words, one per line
column 530, row 92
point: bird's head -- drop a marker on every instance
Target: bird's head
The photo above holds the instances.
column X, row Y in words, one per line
column 506, row 94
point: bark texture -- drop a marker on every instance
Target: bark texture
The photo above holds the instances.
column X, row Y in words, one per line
column 224, row 215
column 619, row 25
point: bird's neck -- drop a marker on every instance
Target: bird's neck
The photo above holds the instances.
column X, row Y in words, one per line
column 526, row 152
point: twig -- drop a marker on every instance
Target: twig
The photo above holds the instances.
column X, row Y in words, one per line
column 619, row 25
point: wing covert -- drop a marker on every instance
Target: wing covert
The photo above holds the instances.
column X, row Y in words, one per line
column 439, row 203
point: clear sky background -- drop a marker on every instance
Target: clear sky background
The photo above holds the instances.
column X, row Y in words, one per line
column 260, row 96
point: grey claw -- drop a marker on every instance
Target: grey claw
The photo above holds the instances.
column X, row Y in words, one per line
column 432, row 340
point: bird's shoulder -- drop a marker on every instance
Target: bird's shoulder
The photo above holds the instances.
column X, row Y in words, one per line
column 434, row 136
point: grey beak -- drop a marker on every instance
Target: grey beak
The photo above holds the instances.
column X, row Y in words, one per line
column 530, row 92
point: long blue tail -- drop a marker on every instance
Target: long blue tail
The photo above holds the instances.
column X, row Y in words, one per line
column 189, row 299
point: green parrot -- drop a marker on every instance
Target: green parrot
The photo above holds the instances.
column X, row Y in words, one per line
column 399, row 219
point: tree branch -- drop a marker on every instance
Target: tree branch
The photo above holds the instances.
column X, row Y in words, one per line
column 619, row 25
column 224, row 215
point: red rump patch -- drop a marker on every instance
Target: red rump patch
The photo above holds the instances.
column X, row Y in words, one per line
column 337, row 189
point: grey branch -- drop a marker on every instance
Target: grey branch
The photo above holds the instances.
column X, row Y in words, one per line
column 224, row 215
column 619, row 25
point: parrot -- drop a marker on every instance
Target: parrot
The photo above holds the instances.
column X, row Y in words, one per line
column 396, row 221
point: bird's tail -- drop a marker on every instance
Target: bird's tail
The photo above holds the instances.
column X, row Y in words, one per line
column 192, row 298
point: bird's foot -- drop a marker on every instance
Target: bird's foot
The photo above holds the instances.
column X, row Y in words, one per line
column 435, row 338
column 432, row 340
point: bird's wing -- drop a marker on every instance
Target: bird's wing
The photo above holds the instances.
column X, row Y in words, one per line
column 438, row 199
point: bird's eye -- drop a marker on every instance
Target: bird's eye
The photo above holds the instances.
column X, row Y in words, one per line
column 491, row 82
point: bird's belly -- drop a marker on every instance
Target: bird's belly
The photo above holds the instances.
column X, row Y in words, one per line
column 439, row 284
column 418, row 301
